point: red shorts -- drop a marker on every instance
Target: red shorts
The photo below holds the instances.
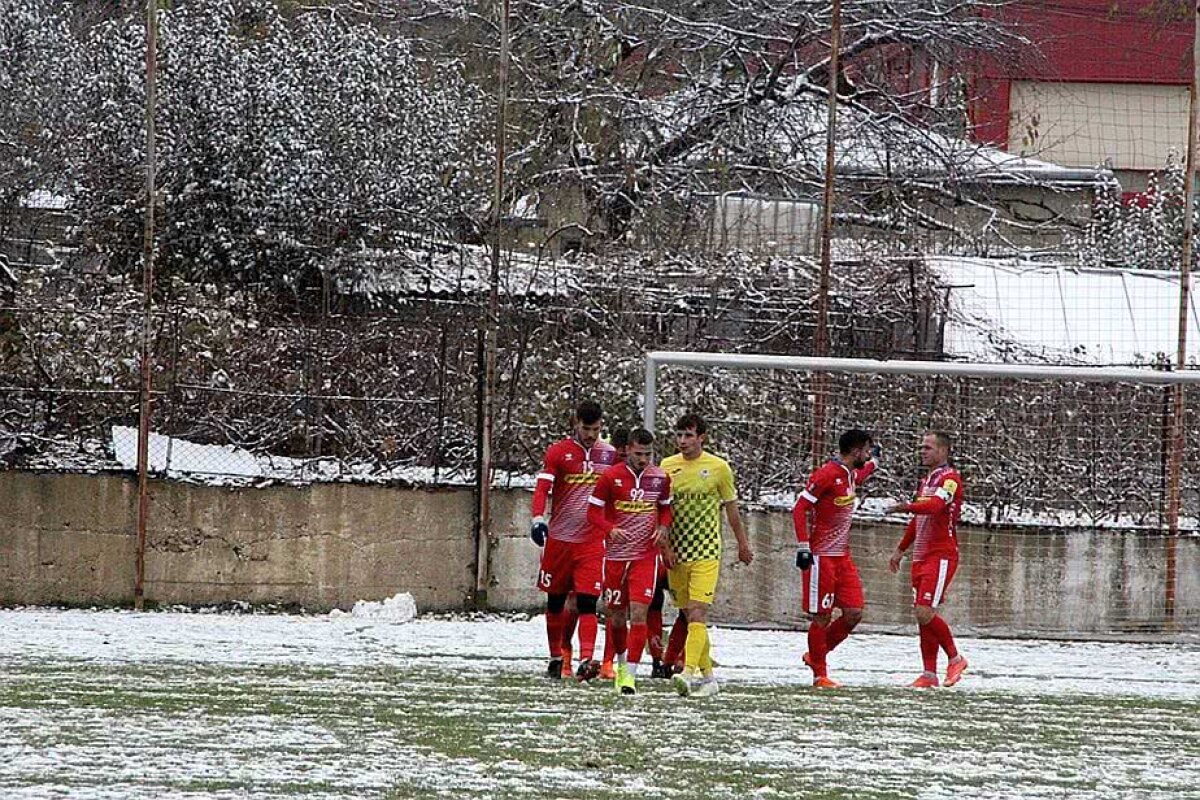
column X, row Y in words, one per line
column 572, row 567
column 831, row 581
column 626, row 581
column 931, row 579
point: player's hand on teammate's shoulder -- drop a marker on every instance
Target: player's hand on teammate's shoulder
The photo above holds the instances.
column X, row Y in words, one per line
column 538, row 529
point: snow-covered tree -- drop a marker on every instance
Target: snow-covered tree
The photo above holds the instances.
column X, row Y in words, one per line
column 646, row 106
column 282, row 141
column 34, row 46
column 1146, row 233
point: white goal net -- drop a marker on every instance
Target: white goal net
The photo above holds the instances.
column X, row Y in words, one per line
column 1065, row 527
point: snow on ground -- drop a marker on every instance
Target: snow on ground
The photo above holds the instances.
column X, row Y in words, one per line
column 112, row 705
column 495, row 643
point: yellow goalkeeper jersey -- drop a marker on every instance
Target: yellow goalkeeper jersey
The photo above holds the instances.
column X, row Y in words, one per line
column 699, row 488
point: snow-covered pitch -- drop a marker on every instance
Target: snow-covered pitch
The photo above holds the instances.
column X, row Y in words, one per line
column 105, row 704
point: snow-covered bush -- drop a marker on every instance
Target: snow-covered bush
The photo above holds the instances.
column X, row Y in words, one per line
column 281, row 141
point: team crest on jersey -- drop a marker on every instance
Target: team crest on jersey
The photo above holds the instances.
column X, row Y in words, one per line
column 704, row 474
column 568, row 457
column 617, row 482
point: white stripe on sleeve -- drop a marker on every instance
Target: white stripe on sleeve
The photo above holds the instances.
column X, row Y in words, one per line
column 546, row 476
column 809, row 496
column 596, row 501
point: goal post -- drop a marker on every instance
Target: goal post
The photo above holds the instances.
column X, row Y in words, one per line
column 866, row 366
column 1047, row 452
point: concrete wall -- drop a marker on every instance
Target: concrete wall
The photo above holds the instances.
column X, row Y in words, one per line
column 69, row 539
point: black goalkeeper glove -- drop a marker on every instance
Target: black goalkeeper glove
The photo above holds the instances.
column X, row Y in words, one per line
column 876, row 452
column 538, row 531
column 803, row 558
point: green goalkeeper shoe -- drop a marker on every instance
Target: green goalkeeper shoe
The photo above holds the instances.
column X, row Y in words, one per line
column 624, row 682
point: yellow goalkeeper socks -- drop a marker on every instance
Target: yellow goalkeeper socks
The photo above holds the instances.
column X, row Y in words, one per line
column 697, row 646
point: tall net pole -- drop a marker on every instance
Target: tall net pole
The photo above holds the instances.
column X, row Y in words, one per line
column 143, row 442
column 1175, row 467
column 821, row 343
column 492, row 322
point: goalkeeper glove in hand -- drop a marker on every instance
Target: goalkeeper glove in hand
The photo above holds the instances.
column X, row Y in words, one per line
column 803, row 558
column 876, row 452
column 538, row 531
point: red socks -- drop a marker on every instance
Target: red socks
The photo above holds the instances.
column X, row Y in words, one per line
column 554, row 623
column 610, row 643
column 929, row 647
column 654, row 633
column 620, row 636
column 818, row 648
column 569, row 618
column 637, row 642
column 836, row 633
column 587, row 636
column 942, row 635
column 677, row 641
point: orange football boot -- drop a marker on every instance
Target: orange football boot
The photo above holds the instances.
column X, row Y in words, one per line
column 925, row 681
column 955, row 671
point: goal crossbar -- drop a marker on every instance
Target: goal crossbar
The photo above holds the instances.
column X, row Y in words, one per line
column 749, row 361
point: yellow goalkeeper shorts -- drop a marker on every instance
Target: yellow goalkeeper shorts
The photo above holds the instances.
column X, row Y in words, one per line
column 694, row 581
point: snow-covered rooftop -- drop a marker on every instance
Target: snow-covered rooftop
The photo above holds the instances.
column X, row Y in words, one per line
column 1007, row 309
column 872, row 145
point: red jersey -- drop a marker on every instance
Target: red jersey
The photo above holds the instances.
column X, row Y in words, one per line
column 636, row 503
column 569, row 473
column 830, row 494
column 934, row 526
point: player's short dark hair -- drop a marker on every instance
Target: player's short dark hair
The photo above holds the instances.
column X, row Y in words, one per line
column 589, row 412
column 854, row 438
column 692, row 421
column 620, row 437
column 942, row 438
column 641, row 436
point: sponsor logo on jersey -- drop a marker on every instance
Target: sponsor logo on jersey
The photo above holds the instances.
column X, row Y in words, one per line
column 581, row 478
column 844, row 500
column 634, row 506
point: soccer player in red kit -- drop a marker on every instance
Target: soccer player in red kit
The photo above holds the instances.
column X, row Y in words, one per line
column 620, row 442
column 631, row 507
column 932, row 533
column 830, row 577
column 573, row 554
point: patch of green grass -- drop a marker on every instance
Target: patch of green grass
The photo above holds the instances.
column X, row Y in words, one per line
column 436, row 731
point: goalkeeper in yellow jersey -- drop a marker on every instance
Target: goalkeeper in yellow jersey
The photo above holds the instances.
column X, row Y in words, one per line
column 702, row 485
